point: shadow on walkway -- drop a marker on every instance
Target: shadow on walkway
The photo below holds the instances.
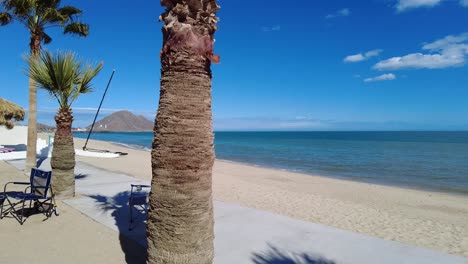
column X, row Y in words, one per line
column 275, row 256
column 80, row 176
column 134, row 252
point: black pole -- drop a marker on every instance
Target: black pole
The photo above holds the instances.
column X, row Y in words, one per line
column 99, row 108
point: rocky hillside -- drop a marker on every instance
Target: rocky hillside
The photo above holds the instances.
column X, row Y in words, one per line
column 123, row 121
column 41, row 128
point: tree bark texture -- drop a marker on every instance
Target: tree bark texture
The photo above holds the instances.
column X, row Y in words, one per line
column 180, row 218
column 31, row 159
column 63, row 156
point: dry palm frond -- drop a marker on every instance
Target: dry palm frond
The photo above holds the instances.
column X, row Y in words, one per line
column 9, row 113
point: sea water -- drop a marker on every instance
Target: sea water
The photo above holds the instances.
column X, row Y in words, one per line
column 427, row 160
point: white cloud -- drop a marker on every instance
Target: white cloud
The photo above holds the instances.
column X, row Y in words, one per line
column 272, row 28
column 383, row 77
column 404, row 5
column 354, row 58
column 410, row 4
column 308, row 123
column 344, row 12
column 361, row 57
column 373, row 53
column 340, row 13
column 420, row 61
column 448, row 40
column 94, row 109
column 299, row 124
column 269, row 123
column 450, row 51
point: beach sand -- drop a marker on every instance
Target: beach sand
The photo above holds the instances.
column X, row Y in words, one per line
column 429, row 219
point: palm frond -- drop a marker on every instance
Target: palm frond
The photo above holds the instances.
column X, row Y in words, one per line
column 84, row 84
column 5, row 18
column 38, row 15
column 39, row 71
column 8, row 108
column 43, row 5
column 62, row 75
column 9, row 113
column 51, row 15
column 69, row 11
column 46, row 39
column 77, row 28
column 19, row 8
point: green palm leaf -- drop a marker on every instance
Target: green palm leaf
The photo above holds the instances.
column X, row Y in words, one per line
column 70, row 11
column 77, row 28
column 51, row 15
column 38, row 15
column 43, row 5
column 46, row 39
column 19, row 8
column 5, row 18
column 62, row 75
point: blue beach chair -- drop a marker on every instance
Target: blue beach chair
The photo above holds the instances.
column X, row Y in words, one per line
column 36, row 195
column 138, row 203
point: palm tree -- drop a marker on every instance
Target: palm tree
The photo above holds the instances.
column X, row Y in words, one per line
column 37, row 16
column 180, row 218
column 65, row 78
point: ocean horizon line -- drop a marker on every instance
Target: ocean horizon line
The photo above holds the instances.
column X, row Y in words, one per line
column 412, row 130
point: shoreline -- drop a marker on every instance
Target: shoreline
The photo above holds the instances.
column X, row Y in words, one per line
column 461, row 193
column 369, row 180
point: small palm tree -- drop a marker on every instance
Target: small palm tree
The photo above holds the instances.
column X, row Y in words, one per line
column 37, row 16
column 65, row 78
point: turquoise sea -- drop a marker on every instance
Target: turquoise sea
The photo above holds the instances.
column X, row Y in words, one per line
column 427, row 160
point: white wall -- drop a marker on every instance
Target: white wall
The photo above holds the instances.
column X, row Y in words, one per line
column 16, row 136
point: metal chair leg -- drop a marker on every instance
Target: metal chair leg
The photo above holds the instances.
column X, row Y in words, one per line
column 131, row 219
column 2, row 200
column 22, row 213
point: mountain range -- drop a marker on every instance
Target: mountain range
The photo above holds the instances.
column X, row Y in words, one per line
column 123, row 121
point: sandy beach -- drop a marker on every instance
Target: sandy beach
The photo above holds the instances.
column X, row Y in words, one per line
column 434, row 220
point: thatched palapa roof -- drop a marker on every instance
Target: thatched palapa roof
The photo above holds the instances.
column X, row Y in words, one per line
column 9, row 113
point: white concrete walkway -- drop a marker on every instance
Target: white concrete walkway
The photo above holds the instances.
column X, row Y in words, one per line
column 244, row 235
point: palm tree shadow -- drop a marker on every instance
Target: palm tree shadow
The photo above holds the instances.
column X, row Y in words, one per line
column 275, row 256
column 135, row 253
column 40, row 160
column 80, row 176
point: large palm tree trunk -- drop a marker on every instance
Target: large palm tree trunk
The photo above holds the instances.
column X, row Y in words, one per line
column 31, row 159
column 63, row 156
column 180, row 218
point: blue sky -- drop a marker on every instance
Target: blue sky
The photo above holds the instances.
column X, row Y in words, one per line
column 285, row 65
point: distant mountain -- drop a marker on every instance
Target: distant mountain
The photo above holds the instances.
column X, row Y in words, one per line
column 123, row 121
column 41, row 128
